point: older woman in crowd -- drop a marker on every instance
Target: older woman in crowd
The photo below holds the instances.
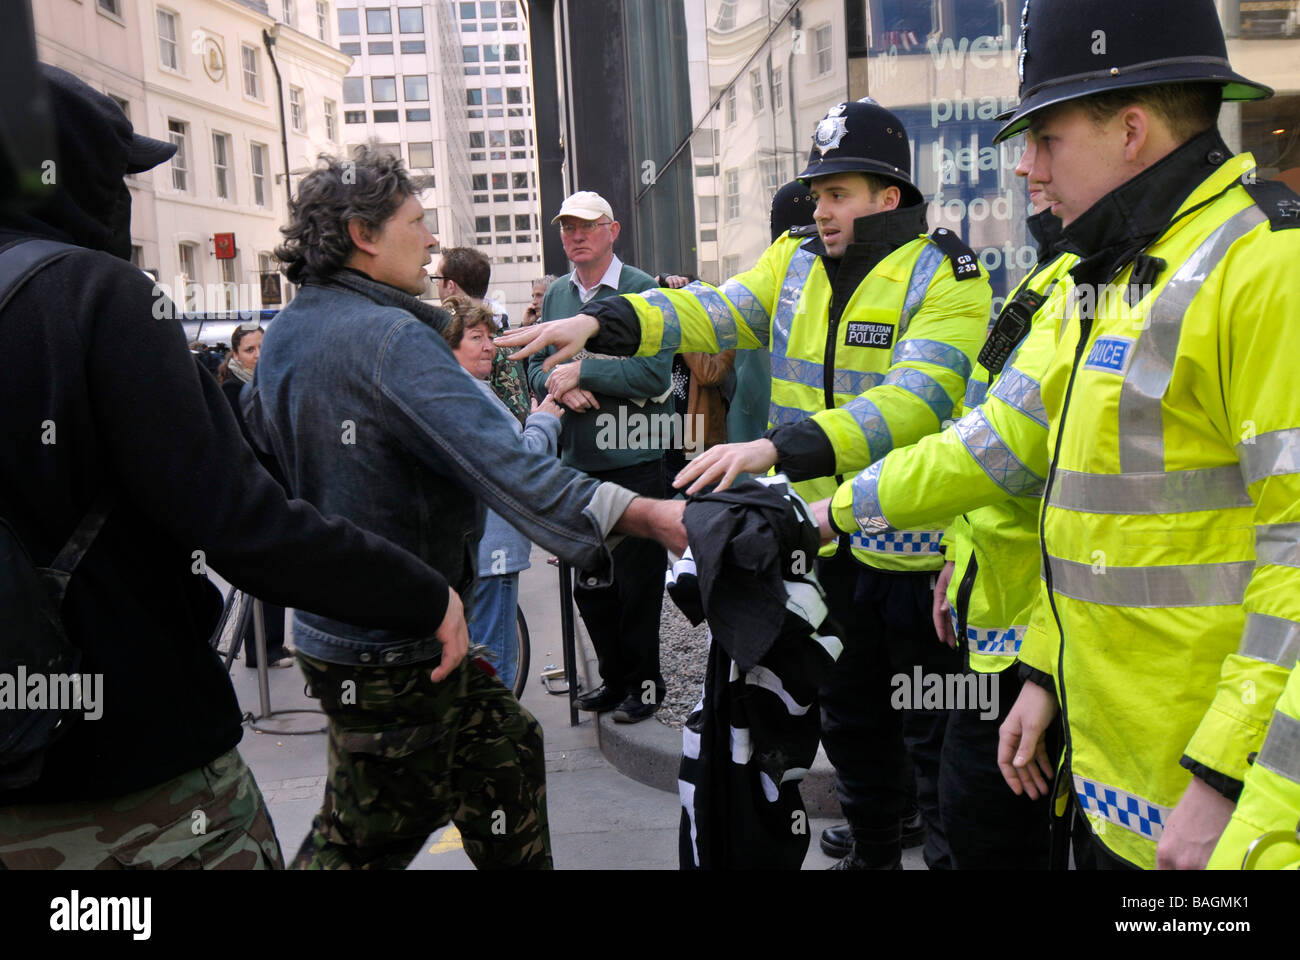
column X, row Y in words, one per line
column 503, row 551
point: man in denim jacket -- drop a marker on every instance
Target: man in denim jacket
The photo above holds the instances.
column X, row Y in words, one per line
column 365, row 407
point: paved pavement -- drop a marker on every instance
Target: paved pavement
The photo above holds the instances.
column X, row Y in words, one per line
column 600, row 819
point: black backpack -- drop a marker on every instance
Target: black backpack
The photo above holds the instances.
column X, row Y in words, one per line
column 32, row 638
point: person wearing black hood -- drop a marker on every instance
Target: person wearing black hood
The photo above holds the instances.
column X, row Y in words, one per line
column 159, row 462
column 873, row 328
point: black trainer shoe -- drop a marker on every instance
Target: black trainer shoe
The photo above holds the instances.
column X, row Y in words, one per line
column 634, row 710
column 599, row 700
column 913, row 833
column 854, row 862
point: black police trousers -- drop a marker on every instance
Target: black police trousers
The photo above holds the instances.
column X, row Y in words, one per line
column 888, row 634
column 987, row 826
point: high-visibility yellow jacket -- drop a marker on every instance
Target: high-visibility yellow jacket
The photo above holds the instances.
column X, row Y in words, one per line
column 970, row 472
column 874, row 366
column 1266, row 823
column 1170, row 603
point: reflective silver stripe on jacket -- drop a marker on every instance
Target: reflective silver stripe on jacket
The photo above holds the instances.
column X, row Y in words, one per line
column 1281, row 750
column 1272, row 454
column 1179, row 585
column 976, row 391
column 724, row 324
column 933, row 351
column 925, row 388
column 751, row 311
column 1277, row 543
column 866, row 500
column 1023, row 393
column 1271, row 639
column 672, row 326
column 1134, row 494
column 991, row 452
column 1141, row 422
column 923, row 271
column 872, row 423
column 796, row 274
column 795, row 370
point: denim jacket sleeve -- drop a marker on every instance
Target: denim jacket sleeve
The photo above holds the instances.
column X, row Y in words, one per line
column 445, row 421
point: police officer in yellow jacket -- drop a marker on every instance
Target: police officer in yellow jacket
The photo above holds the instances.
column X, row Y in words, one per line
column 872, row 328
column 1169, row 606
column 967, row 472
column 1264, row 831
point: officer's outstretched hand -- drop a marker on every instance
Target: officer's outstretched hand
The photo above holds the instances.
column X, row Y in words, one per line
column 453, row 634
column 723, row 463
column 1194, row 828
column 568, row 336
column 1022, row 755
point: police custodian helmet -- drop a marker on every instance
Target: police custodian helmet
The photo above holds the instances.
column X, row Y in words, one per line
column 863, row 137
column 1073, row 48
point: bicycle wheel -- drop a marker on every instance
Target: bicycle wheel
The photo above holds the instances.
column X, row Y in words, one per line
column 521, row 672
column 227, row 638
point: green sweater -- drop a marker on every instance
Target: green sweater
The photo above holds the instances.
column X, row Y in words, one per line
column 621, row 433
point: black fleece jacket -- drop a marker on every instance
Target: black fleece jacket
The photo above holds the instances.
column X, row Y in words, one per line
column 102, row 392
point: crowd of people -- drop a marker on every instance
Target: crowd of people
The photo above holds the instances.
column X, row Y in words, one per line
column 382, row 466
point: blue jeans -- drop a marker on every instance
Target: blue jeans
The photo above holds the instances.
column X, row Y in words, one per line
column 492, row 623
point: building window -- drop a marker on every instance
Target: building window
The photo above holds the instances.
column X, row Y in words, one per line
column 493, row 96
column 137, row 256
column 731, row 265
column 771, row 167
column 167, row 49
column 499, row 181
column 468, row 11
column 379, row 21
column 469, row 54
column 756, row 89
column 410, row 20
column 778, row 89
column 476, row 140
column 502, row 222
column 412, row 46
column 331, row 121
column 474, row 97
column 349, row 25
column 482, row 224
column 351, row 49
column 418, row 114
column 186, row 254
column 726, row 17
column 479, row 181
column 514, row 95
column 512, row 52
column 517, row 138
column 111, row 6
column 708, row 209
column 415, row 88
column 221, row 165
column 492, row 53
column 180, row 167
column 488, row 9
column 421, row 155
column 229, row 274
column 252, row 82
column 509, row 9
column 295, row 108
column 519, row 181
column 380, row 48
column 730, row 105
column 257, row 160
column 288, row 13
column 733, row 194
column 383, row 89
column 522, row 222
column 323, row 20
column 354, row 89
column 354, row 116
column 385, row 116
column 822, row 49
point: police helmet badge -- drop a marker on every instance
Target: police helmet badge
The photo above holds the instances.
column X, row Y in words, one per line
column 1024, row 41
column 830, row 131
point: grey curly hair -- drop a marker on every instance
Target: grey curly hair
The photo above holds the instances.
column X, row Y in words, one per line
column 369, row 187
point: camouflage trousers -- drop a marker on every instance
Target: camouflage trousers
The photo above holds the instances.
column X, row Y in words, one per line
column 407, row 755
column 211, row 818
